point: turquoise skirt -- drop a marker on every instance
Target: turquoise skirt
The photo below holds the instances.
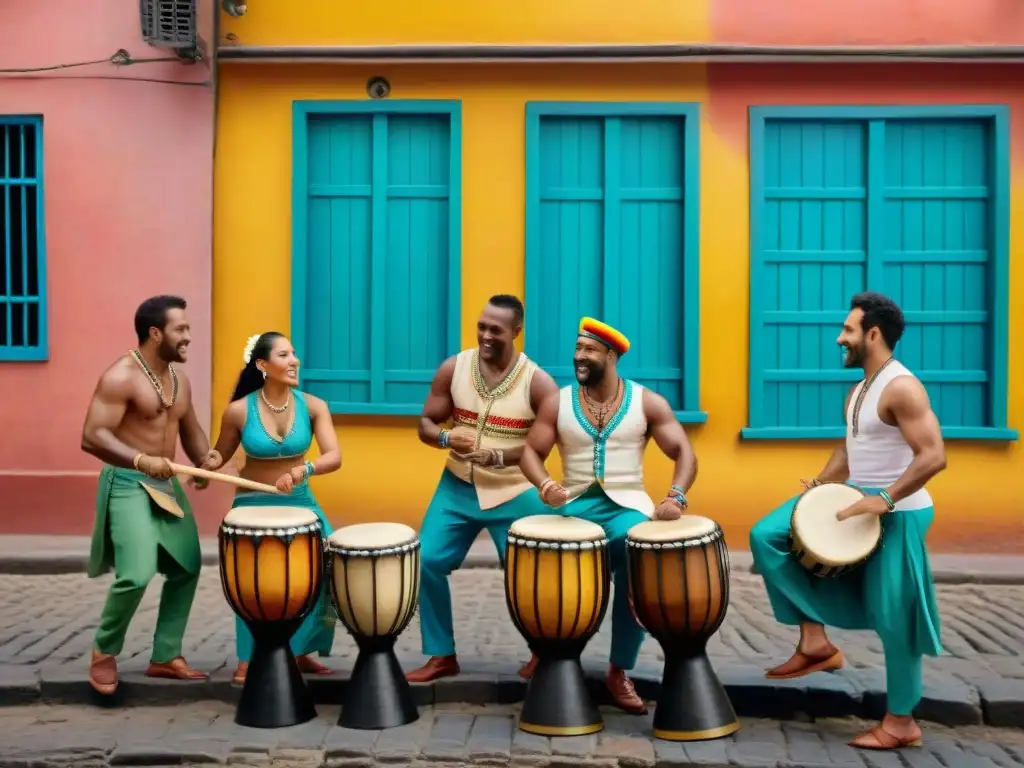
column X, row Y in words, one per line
column 316, row 633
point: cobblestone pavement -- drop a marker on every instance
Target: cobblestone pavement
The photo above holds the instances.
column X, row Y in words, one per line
column 449, row 735
column 50, row 620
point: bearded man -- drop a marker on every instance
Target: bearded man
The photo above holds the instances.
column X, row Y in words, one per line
column 144, row 524
column 602, row 425
column 893, row 447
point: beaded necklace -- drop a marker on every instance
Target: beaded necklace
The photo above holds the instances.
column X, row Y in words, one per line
column 137, row 355
column 600, row 409
column 862, row 394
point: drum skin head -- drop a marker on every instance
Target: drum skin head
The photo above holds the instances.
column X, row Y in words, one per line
column 370, row 536
column 681, row 529
column 269, row 517
column 830, row 541
column 556, row 528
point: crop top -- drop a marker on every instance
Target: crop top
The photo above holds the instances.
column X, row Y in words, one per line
column 258, row 443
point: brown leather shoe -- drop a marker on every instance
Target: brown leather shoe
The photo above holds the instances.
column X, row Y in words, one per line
column 103, row 673
column 624, row 695
column 175, row 669
column 435, row 668
column 527, row 670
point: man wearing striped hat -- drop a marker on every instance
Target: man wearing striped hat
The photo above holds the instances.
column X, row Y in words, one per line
column 601, row 425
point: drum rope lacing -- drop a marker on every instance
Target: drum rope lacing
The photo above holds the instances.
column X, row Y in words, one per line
column 699, row 541
column 569, row 545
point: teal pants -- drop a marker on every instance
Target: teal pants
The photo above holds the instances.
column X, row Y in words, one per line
column 316, row 633
column 595, row 507
column 451, row 524
column 892, row 594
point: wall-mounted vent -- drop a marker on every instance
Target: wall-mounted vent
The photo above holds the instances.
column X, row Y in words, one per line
column 169, row 23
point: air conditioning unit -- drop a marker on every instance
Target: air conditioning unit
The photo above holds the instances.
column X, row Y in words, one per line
column 169, row 23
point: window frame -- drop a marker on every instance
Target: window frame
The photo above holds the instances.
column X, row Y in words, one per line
column 302, row 111
column 691, row 412
column 40, row 352
column 999, row 230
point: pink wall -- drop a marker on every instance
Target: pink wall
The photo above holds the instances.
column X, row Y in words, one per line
column 128, row 186
column 868, row 22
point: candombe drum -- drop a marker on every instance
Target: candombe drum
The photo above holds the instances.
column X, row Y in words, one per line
column 374, row 573
column 271, row 569
column 679, row 591
column 557, row 581
column 827, row 547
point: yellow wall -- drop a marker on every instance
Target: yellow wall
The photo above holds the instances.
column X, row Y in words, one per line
column 333, row 22
column 387, row 473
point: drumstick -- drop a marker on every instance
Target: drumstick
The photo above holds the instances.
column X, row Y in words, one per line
column 241, row 482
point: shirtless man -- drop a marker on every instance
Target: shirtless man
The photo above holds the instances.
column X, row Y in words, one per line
column 602, row 425
column 481, row 486
column 144, row 524
column 893, row 447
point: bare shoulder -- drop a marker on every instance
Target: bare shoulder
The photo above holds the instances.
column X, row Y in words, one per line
column 445, row 371
column 548, row 410
column 907, row 390
column 120, row 378
column 656, row 407
column 235, row 412
column 315, row 404
column 543, row 384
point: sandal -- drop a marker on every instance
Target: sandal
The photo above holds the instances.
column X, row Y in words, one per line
column 884, row 741
column 808, row 664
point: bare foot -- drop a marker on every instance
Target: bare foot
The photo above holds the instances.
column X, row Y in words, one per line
column 309, row 667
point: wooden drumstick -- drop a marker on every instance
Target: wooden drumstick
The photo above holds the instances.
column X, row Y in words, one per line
column 241, row 482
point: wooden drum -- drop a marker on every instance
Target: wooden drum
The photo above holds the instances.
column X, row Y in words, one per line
column 375, row 583
column 679, row 591
column 557, row 581
column 271, row 569
column 827, row 547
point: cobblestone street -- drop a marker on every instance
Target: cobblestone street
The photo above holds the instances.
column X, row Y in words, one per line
column 450, row 735
column 47, row 624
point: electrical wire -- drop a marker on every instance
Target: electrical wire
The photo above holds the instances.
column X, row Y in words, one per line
column 120, row 58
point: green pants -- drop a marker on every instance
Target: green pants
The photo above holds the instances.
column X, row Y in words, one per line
column 892, row 594
column 594, row 506
column 139, row 540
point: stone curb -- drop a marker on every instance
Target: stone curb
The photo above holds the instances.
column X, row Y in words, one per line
column 1009, row 571
column 857, row 693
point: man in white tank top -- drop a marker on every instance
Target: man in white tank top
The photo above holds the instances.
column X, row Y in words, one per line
column 893, row 447
column 601, row 426
column 490, row 394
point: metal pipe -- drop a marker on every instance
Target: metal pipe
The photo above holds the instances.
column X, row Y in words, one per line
column 705, row 52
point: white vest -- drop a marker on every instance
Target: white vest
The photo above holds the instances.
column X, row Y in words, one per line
column 616, row 459
column 878, row 455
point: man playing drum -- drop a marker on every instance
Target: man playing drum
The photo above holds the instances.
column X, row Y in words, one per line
column 893, row 447
column 490, row 394
column 144, row 524
column 602, row 425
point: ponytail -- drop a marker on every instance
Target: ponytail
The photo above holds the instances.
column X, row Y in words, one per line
column 251, row 379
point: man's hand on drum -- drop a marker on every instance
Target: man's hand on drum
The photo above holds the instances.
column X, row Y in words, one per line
column 462, row 440
column 669, row 509
column 809, row 482
column 869, row 505
column 290, row 479
column 553, row 494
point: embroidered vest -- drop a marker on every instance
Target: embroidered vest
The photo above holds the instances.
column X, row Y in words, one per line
column 502, row 417
column 614, row 458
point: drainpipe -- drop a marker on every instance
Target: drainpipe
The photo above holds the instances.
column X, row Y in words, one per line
column 669, row 52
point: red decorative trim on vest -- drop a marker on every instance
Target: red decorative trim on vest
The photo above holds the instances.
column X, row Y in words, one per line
column 503, row 422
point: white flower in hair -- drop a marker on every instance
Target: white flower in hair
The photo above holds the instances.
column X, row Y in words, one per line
column 250, row 345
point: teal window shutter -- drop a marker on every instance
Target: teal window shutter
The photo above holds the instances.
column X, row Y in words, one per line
column 23, row 309
column 612, row 232
column 910, row 202
column 376, row 254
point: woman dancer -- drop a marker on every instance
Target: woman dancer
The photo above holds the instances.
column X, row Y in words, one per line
column 275, row 424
